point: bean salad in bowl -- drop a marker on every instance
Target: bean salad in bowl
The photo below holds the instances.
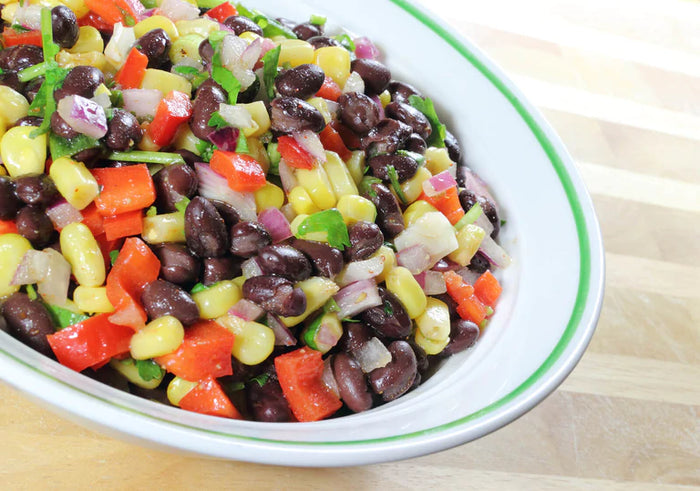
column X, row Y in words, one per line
column 235, row 214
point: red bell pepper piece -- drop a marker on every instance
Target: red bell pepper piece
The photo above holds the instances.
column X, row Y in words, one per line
column 90, row 343
column 469, row 307
column 447, row 203
column 8, row 227
column 487, row 289
column 332, row 141
column 13, row 38
column 299, row 374
column 135, row 267
column 124, row 225
column 204, row 353
column 94, row 20
column 294, row 154
column 349, row 137
column 222, row 12
column 209, row 398
column 172, row 111
column 128, row 12
column 106, row 247
column 93, row 220
column 124, row 189
column 243, row 173
column 131, row 74
column 329, row 90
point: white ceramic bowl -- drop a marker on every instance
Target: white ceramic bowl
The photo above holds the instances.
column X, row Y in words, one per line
column 544, row 320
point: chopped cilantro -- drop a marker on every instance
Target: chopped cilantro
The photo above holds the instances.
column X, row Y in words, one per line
column 199, row 287
column 61, row 147
column 437, row 137
column 149, row 370
column 242, row 143
column 205, row 149
column 235, row 386
column 270, row 27
column 394, row 178
column 19, row 28
column 366, row 185
column 113, row 255
column 331, row 306
column 414, row 155
column 225, row 78
column 181, row 205
column 390, row 245
column 63, row 317
column 503, row 222
column 274, row 157
column 194, row 75
column 349, row 319
column 261, row 379
column 270, row 61
column 388, row 309
column 330, row 221
column 217, row 121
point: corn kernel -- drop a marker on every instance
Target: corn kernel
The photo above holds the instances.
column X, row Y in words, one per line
column 434, row 323
column 74, row 181
column 297, row 52
column 339, row 176
column 9, row 11
column 179, row 388
column 185, row 139
column 12, row 250
column 66, row 59
column 416, row 210
column 356, row 166
column 269, row 196
column 334, row 61
column 239, row 280
column 248, row 36
column 389, row 261
column 469, row 239
column 252, row 343
column 322, row 105
column 318, row 291
column 77, row 6
column 217, row 299
column 13, row 105
column 165, row 81
column 185, row 47
column 301, row 201
column 201, row 26
column 22, row 154
column 437, row 160
column 82, row 251
column 260, row 117
column 257, row 150
column 92, row 299
column 160, row 337
column 147, row 144
column 401, row 283
column 355, row 208
column 316, row 183
column 385, row 98
column 168, row 227
column 413, row 187
column 89, row 40
column 130, row 371
column 429, row 346
column 156, row 22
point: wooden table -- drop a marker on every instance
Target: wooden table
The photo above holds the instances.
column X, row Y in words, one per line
column 620, row 82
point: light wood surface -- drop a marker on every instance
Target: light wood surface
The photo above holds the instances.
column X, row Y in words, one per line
column 620, row 81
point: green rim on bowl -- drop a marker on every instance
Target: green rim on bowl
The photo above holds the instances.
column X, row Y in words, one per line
column 584, row 265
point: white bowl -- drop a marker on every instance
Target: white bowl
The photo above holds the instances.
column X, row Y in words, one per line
column 544, row 320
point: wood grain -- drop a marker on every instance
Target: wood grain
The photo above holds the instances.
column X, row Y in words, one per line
column 620, row 82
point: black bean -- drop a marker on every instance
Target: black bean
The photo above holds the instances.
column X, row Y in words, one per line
column 34, row 225
column 355, row 335
column 240, row 24
column 190, row 158
column 374, row 73
column 61, row 127
column 155, row 44
column 123, row 131
column 387, row 137
column 205, row 230
column 358, row 112
column 289, row 24
column 9, row 203
column 479, row 263
column 394, row 379
column 31, row 89
column 290, row 114
column 249, row 94
column 284, row 260
column 275, row 294
column 400, row 92
column 326, row 260
column 389, row 216
column 247, row 238
column 454, row 150
column 220, row 268
column 64, row 26
column 322, row 42
column 302, row 81
column 89, row 156
column 404, row 166
column 267, row 403
column 161, row 298
column 468, row 199
column 29, row 121
column 36, row 189
column 29, row 321
column 209, row 96
column 227, row 212
column 206, row 52
column 82, row 80
column 177, row 264
column 463, row 335
column 10, row 79
column 307, row 30
column 173, row 183
column 389, row 320
column 422, row 362
column 411, row 116
column 15, row 58
column 365, row 239
column 414, row 143
column 351, row 382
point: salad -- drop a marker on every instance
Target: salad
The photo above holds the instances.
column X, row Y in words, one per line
column 235, row 214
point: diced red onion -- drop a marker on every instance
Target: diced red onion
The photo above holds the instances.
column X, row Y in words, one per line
column 372, row 355
column 327, row 336
column 420, row 279
column 267, row 45
column 232, row 57
column 246, row 310
column 54, row 288
column 252, row 53
column 446, row 264
column 494, row 252
column 142, row 102
column 83, row 115
column 289, row 181
column 214, row 186
column 236, row 116
column 250, row 268
column 439, row 183
column 378, row 103
column 476, row 185
column 415, row 258
column 309, row 141
column 283, row 336
column 357, row 297
column 483, row 222
column 364, row 48
column 468, row 275
column 178, row 10
column 354, row 83
column 32, row 268
column 434, row 283
column 225, row 139
column 62, row 214
column 276, row 224
column 328, row 378
column 361, row 270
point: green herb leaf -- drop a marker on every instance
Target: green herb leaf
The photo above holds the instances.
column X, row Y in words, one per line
column 152, row 211
column 215, row 38
column 242, row 143
column 388, row 309
column 346, row 41
column 181, row 205
column 329, row 221
column 366, row 186
column 164, row 158
column 349, row 319
column 191, row 73
column 261, row 379
column 19, row 28
column 199, row 287
column 217, row 121
column 61, row 147
column 274, row 157
column 205, row 149
column 270, row 61
column 63, row 317
column 113, row 255
column 394, row 178
column 437, row 137
column 331, row 306
column 225, row 78
column 149, row 370
column 31, row 292
column 503, row 222
column 317, row 20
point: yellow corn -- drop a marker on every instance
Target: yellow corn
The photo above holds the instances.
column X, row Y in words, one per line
column 89, row 41
column 168, row 227
column 269, row 196
column 322, row 105
column 301, row 201
column 296, row 52
column 179, row 388
column 147, row 144
column 12, row 250
column 185, row 47
column 260, row 117
column 355, row 208
column 339, row 176
column 469, row 239
column 92, row 299
column 81, row 250
column 385, row 98
column 248, row 36
column 3, row 172
column 130, row 371
column 13, row 105
column 185, row 139
column 316, row 183
column 429, row 346
column 416, row 210
column 74, row 181
column 437, row 160
column 257, row 150
column 217, row 299
column 401, row 283
column 318, row 290
column 356, row 166
column 9, row 11
column 389, row 261
column 77, row 6
column 156, row 22
column 316, row 236
column 334, row 61
column 413, row 187
column 165, row 81
column 252, row 343
column 21, row 153
column 201, row 26
column 160, row 337
column 97, row 59
column 434, row 323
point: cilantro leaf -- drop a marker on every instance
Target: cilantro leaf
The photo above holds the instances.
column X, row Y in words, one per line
column 414, row 155
column 113, row 255
column 61, row 147
column 269, row 26
column 205, row 149
column 19, row 28
column 63, row 317
column 329, row 221
column 199, row 287
column 270, row 61
column 394, row 178
column 242, row 143
column 195, row 76
column 366, row 185
column 261, row 379
column 217, row 121
column 227, row 80
column 181, row 205
column 148, row 370
column 437, row 137
column 331, row 306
